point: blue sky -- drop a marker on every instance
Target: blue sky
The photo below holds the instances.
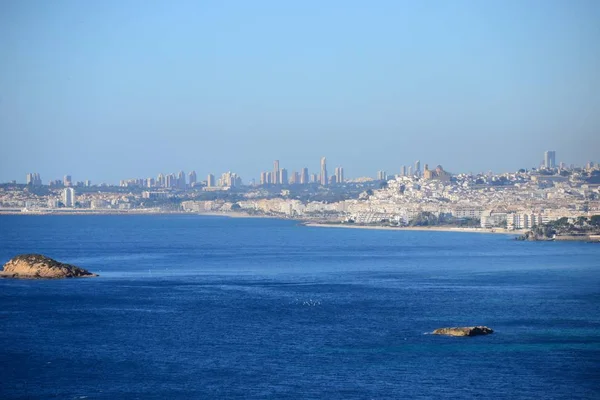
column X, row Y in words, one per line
column 107, row 90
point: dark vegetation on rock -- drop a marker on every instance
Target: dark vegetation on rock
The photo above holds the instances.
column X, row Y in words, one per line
column 581, row 226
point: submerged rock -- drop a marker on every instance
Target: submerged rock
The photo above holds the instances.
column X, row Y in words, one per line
column 464, row 331
column 37, row 266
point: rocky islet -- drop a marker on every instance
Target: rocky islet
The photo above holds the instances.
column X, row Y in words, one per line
column 37, row 266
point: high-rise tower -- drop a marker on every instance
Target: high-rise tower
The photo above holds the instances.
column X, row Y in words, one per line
column 69, row 197
column 210, row 180
column 276, row 177
column 339, row 175
column 192, row 178
column 323, row 177
column 181, row 180
column 304, row 176
column 283, row 176
column 550, row 159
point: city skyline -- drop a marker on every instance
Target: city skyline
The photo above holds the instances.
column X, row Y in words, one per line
column 278, row 176
column 512, row 200
column 217, row 86
column 371, row 171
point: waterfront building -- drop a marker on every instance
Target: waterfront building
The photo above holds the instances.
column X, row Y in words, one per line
column 381, row 175
column 69, row 197
column 403, row 170
column 98, row 204
column 53, row 203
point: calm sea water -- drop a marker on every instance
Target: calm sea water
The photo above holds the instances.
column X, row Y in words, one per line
column 191, row 307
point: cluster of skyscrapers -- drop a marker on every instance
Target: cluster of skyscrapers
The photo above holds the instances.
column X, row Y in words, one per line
column 172, row 180
column 179, row 181
column 280, row 176
column 404, row 171
column 34, row 179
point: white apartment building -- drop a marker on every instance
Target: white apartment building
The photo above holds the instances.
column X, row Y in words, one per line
column 69, row 197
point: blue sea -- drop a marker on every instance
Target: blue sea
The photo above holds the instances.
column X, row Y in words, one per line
column 193, row 307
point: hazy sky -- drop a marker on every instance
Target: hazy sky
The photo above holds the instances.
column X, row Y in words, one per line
column 107, row 90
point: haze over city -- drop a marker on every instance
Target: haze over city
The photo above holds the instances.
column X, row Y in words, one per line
column 274, row 199
column 110, row 90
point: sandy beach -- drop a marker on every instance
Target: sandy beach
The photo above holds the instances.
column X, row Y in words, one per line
column 232, row 214
column 418, row 228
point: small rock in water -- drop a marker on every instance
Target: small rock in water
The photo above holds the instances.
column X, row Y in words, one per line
column 464, row 331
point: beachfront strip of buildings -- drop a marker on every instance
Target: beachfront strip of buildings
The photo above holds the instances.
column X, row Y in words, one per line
column 524, row 204
column 514, row 201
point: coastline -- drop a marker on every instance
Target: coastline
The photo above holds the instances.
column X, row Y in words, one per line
column 232, row 214
column 229, row 214
column 94, row 212
column 416, row 228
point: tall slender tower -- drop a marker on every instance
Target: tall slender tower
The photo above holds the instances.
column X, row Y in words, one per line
column 323, row 177
column 276, row 177
column 418, row 168
column 339, row 175
column 304, row 176
column 283, row 176
column 181, row 180
column 192, row 178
